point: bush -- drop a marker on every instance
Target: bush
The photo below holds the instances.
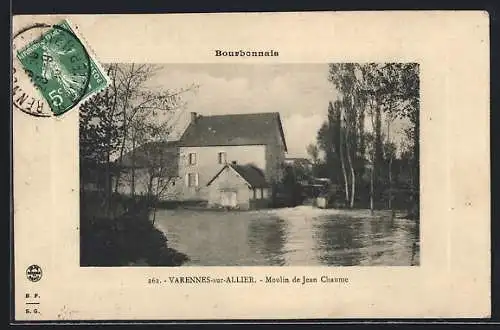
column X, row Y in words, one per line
column 129, row 239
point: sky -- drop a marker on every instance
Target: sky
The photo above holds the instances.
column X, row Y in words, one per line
column 299, row 92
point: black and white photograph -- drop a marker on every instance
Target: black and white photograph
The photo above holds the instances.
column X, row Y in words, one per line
column 251, row 165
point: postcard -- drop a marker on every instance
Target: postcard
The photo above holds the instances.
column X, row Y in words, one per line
column 251, row 166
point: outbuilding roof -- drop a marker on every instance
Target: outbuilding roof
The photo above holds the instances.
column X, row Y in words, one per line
column 250, row 173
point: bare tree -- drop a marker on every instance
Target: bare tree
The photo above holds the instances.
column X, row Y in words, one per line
column 119, row 120
column 159, row 169
column 140, row 104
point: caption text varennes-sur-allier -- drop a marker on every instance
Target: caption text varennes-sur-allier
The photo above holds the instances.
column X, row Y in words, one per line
column 303, row 280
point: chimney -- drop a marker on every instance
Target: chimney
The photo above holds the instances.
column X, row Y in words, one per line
column 194, row 115
column 233, row 162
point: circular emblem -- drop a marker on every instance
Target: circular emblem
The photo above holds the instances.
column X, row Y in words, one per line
column 34, row 273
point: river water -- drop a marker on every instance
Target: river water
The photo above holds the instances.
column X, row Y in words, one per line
column 300, row 236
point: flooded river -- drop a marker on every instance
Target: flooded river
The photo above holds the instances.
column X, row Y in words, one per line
column 300, row 236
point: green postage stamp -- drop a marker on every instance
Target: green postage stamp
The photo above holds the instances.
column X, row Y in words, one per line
column 62, row 68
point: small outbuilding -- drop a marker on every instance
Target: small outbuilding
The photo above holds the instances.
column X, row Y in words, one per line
column 239, row 187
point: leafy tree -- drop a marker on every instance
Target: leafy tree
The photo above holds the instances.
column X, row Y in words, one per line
column 292, row 186
column 100, row 130
column 384, row 92
column 399, row 98
column 330, row 140
column 346, row 79
column 313, row 152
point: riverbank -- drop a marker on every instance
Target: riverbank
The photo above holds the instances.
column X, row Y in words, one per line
column 129, row 239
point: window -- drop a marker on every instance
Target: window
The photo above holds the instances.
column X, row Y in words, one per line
column 192, row 180
column 192, row 158
column 259, row 193
column 265, row 193
column 222, row 157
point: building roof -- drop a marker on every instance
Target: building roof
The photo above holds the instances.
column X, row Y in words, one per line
column 234, row 129
column 251, row 174
column 158, row 153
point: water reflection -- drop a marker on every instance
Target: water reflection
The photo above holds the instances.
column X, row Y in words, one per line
column 339, row 242
column 293, row 237
column 267, row 238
